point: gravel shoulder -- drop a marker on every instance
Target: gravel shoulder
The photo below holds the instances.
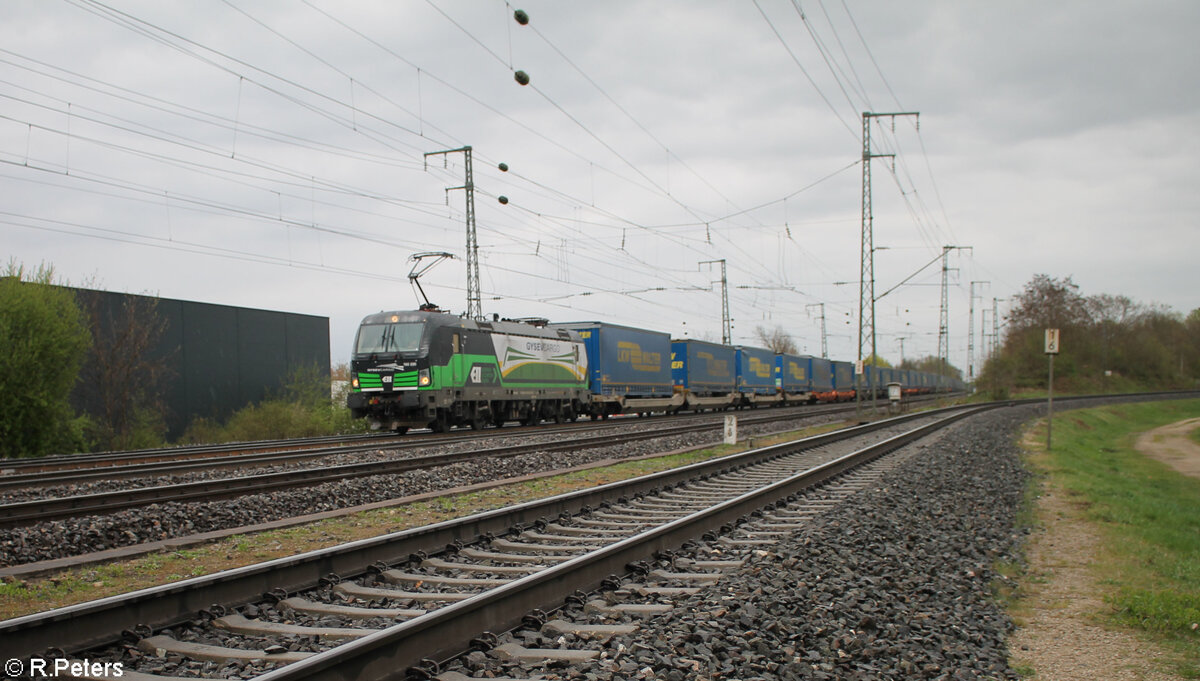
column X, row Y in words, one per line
column 1059, row 633
column 895, row 582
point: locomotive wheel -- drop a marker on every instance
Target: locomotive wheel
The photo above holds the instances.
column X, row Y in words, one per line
column 400, row 430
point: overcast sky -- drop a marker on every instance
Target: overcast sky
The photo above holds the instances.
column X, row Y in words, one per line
column 270, row 154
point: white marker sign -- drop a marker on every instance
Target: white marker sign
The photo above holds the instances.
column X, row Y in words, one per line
column 1052, row 345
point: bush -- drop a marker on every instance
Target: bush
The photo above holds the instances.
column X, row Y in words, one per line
column 144, row 428
column 44, row 337
column 304, row 408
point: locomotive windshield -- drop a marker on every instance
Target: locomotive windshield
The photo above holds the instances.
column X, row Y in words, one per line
column 389, row 338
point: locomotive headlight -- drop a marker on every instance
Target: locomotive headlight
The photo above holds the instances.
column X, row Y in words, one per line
column 354, row 382
column 423, row 377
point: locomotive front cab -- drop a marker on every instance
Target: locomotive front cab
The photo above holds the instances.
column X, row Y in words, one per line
column 389, row 368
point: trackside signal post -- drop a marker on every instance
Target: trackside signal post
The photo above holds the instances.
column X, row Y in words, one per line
column 1052, row 347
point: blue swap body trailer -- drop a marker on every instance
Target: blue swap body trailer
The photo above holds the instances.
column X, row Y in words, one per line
column 704, row 373
column 873, row 381
column 822, row 379
column 843, row 381
column 629, row 369
column 756, row 377
column 794, row 378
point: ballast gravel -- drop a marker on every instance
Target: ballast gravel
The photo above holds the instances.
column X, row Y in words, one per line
column 895, row 583
column 77, row 536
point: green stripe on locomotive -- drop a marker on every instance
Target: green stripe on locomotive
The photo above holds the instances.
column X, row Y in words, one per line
column 477, row 370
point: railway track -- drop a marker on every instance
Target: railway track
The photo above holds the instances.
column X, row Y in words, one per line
column 22, row 513
column 301, row 450
column 82, row 468
column 101, row 460
column 373, row 608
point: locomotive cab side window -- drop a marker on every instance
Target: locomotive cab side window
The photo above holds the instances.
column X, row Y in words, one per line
column 454, row 344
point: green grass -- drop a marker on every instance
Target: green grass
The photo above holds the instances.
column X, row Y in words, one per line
column 1148, row 513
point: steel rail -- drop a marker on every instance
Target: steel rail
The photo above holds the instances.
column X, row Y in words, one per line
column 138, row 470
column 445, row 632
column 102, row 460
column 232, row 452
column 23, row 513
column 158, row 467
column 96, row 623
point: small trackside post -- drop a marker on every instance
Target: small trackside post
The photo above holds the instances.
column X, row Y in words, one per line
column 1052, row 348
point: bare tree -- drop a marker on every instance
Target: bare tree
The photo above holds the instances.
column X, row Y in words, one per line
column 1048, row 303
column 126, row 380
column 776, row 340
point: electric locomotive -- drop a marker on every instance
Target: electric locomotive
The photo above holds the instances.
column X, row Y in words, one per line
column 427, row 368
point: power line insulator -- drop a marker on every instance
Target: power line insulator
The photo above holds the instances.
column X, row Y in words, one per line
column 503, row 200
column 503, row 167
column 521, row 16
column 521, row 77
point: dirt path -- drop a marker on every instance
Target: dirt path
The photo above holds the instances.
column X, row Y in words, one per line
column 1171, row 445
column 1060, row 636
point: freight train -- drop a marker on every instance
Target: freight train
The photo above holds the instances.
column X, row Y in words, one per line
column 427, row 368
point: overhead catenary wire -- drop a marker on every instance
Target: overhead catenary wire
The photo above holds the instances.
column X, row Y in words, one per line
column 796, row 60
column 198, row 51
column 859, row 88
column 652, row 184
column 582, row 126
column 925, row 225
column 592, row 225
column 186, row 112
column 833, row 67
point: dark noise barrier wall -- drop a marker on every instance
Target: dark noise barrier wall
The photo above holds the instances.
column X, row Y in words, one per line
column 217, row 358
